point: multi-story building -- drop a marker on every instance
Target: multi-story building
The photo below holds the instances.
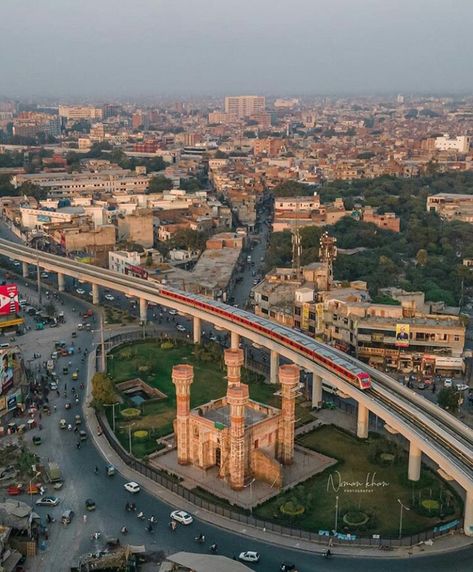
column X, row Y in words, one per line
column 270, row 147
column 120, row 260
column 65, row 185
column 30, row 124
column 78, row 112
column 451, row 206
column 460, row 144
column 387, row 221
column 13, row 382
column 137, row 227
column 245, row 105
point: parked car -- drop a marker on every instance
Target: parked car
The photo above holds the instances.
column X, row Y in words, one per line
column 14, row 490
column 462, row 387
column 80, row 291
column 448, row 382
column 109, row 297
column 37, row 440
column 182, row 517
column 180, row 328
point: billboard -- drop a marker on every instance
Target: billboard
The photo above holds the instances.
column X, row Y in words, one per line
column 6, row 371
column 9, row 299
column 136, row 271
column 402, row 335
column 305, row 317
column 319, row 318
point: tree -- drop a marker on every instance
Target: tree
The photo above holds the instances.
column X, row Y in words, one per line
column 189, row 239
column 422, row 257
column 32, row 190
column 103, row 390
column 159, row 183
column 293, row 189
column 449, row 399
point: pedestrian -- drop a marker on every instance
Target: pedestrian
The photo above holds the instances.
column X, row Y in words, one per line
column 84, row 518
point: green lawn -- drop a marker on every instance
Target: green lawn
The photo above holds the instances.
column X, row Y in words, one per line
column 357, row 463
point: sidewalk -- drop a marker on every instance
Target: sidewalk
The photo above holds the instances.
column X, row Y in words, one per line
column 446, row 543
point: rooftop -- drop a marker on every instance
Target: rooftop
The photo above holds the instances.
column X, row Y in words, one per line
column 222, row 415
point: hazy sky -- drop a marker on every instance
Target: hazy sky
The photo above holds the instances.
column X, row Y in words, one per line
column 183, row 47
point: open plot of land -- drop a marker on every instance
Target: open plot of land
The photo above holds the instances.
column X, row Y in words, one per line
column 362, row 485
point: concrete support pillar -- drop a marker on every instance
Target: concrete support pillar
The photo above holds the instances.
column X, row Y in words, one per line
column 415, row 457
column 143, row 310
column 60, row 282
column 182, row 378
column 234, row 340
column 362, row 426
column 468, row 515
column 95, row 294
column 316, row 390
column 24, row 268
column 197, row 330
column 273, row 367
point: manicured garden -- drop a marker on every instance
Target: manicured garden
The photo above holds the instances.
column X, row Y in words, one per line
column 369, row 478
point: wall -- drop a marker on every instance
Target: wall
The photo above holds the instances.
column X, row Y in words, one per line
column 266, row 469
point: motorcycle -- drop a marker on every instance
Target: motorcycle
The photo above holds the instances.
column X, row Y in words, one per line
column 213, row 548
column 124, row 530
column 141, row 515
column 200, row 539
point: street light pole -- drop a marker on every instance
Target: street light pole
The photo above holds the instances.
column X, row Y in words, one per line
column 38, row 280
column 403, row 507
column 336, row 513
column 102, row 344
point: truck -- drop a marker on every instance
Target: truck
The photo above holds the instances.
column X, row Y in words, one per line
column 53, row 473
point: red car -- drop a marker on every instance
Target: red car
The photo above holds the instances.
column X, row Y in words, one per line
column 14, row 490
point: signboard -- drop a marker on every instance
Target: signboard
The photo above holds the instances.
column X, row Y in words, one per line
column 3, row 403
column 43, row 218
column 6, row 371
column 402, row 335
column 9, row 299
column 136, row 271
column 305, row 317
column 11, row 402
column 377, row 338
column 453, row 363
column 319, row 318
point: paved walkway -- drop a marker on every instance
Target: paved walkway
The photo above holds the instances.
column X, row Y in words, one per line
column 447, row 543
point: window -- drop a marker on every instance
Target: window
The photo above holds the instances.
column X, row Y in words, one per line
column 297, row 311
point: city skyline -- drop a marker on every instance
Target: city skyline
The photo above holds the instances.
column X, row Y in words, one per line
column 108, row 49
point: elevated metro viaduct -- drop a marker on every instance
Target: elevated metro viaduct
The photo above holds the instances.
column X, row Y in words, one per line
column 429, row 429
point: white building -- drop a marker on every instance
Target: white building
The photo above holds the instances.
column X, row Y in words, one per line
column 36, row 218
column 461, row 144
column 119, row 260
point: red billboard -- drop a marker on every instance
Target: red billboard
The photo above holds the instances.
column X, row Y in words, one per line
column 136, row 271
column 9, row 299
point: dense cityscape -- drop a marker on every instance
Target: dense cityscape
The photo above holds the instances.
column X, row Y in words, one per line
column 235, row 330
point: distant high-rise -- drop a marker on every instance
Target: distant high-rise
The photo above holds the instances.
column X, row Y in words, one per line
column 245, row 105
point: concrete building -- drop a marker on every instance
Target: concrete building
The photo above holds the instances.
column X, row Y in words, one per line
column 65, row 185
column 137, row 227
column 245, row 105
column 13, row 383
column 77, row 112
column 387, row 221
column 243, row 438
column 460, row 144
column 120, row 260
column 451, row 206
column 269, row 147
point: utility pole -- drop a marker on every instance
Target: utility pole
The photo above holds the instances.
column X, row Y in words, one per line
column 38, row 280
column 102, row 345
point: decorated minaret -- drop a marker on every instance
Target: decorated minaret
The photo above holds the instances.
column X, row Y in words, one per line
column 237, row 399
column 233, row 360
column 289, row 376
column 182, row 377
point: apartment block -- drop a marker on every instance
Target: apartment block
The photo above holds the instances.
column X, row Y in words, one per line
column 245, row 105
column 460, row 144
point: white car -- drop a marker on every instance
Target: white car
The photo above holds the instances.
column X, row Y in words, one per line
column 180, row 328
column 109, row 297
column 132, row 487
column 462, row 387
column 182, row 517
column 80, row 291
column 48, row 501
column 249, row 556
column 448, row 382
column 172, row 312
column 44, row 275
